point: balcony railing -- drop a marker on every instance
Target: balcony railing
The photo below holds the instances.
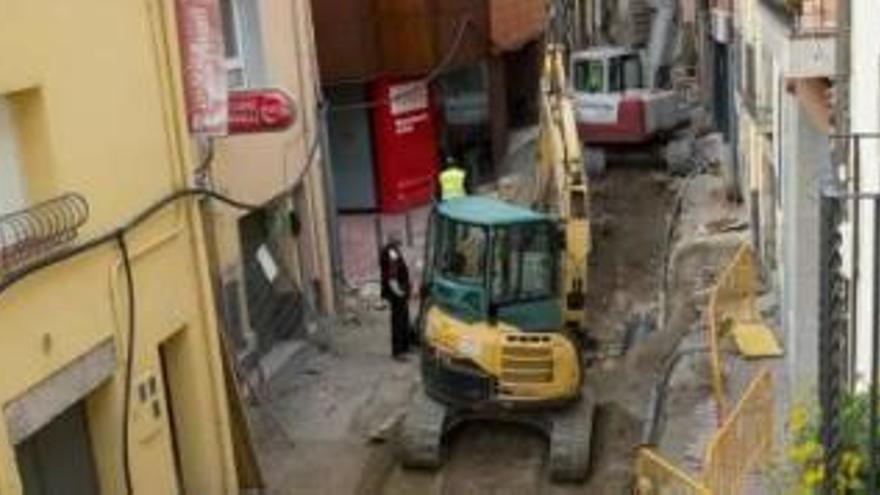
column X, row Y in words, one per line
column 30, row 234
column 814, row 16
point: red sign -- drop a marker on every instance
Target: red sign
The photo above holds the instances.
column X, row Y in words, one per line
column 204, row 70
column 260, row 110
column 405, row 143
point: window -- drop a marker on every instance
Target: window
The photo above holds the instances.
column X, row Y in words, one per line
column 464, row 96
column 749, row 76
column 12, row 184
column 632, row 72
column 461, row 252
column 615, row 76
column 524, row 265
column 589, row 76
column 242, row 44
column 471, row 79
column 625, row 73
column 232, row 43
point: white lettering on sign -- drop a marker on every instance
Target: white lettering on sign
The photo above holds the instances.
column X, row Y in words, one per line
column 204, row 72
column 408, row 124
column 408, row 97
column 597, row 109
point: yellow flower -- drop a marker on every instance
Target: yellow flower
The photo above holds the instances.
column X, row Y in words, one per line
column 851, row 464
column 798, row 418
column 801, row 453
column 813, row 476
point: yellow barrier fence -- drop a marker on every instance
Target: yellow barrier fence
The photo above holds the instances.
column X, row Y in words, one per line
column 734, row 450
column 657, row 476
column 743, row 440
column 732, row 300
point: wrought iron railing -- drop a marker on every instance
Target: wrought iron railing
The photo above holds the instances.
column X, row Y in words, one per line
column 30, row 234
column 845, row 199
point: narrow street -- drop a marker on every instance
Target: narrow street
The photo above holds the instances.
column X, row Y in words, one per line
column 337, row 395
column 436, row 247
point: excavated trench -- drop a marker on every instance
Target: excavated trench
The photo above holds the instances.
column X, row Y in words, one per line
column 326, row 422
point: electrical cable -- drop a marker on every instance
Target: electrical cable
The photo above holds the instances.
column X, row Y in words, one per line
column 463, row 24
column 117, row 235
column 129, row 360
column 66, row 254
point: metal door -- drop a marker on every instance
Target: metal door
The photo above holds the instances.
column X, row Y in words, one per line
column 351, row 152
column 58, row 460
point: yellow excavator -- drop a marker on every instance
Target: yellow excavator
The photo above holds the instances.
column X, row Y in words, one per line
column 503, row 305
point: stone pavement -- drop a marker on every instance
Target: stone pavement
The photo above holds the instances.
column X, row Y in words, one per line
column 315, row 420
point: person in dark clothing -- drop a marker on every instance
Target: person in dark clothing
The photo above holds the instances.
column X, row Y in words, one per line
column 396, row 290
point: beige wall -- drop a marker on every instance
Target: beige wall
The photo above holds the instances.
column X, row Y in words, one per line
column 94, row 90
column 260, row 168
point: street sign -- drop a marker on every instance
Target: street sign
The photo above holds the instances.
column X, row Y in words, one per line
column 260, row 110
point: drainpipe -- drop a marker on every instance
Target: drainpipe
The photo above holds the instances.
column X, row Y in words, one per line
column 337, row 269
column 832, row 307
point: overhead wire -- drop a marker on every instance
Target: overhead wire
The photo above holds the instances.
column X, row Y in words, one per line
column 117, row 236
column 433, row 74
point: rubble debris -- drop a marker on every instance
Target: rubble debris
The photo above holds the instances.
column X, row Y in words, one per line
column 727, row 224
column 385, row 431
column 679, row 154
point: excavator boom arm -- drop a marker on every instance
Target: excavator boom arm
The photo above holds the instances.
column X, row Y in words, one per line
column 563, row 184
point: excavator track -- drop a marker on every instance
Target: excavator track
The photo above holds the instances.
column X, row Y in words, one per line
column 421, row 436
column 571, row 433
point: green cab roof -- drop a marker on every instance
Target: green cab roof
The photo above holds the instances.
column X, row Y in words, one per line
column 481, row 210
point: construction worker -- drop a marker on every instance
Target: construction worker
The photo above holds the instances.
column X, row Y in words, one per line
column 396, row 290
column 451, row 180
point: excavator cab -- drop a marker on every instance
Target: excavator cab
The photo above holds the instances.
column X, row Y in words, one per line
column 606, row 71
column 495, row 262
column 494, row 345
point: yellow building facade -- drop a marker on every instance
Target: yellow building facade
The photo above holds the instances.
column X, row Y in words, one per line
column 270, row 44
column 91, row 103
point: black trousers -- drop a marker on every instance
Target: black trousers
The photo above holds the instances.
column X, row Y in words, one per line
column 399, row 326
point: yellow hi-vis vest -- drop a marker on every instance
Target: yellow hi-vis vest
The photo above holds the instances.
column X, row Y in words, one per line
column 452, row 183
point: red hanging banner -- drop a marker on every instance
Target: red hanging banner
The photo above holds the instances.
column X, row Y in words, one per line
column 200, row 31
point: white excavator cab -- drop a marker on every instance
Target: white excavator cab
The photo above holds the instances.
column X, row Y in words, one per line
column 606, row 70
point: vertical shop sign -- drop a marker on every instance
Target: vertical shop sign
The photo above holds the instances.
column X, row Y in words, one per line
column 204, row 71
column 405, row 143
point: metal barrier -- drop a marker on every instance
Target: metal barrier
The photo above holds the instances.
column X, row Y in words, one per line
column 745, row 433
column 743, row 440
column 657, row 476
column 731, row 300
column 733, row 451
